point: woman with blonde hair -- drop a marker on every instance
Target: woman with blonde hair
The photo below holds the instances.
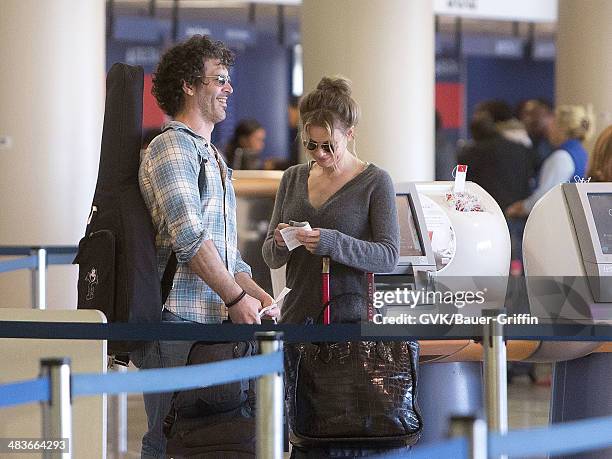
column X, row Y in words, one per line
column 571, row 126
column 600, row 163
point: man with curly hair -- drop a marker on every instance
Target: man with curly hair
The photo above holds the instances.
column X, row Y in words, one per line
column 188, row 190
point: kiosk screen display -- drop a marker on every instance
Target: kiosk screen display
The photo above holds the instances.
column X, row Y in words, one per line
column 601, row 208
column 410, row 245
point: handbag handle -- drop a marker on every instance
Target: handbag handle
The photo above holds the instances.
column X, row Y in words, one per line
column 326, row 293
column 326, row 305
column 325, row 290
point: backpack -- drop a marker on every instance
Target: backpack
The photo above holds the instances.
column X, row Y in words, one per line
column 117, row 256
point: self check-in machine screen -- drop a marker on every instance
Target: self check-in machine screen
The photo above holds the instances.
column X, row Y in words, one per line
column 415, row 249
column 601, row 209
column 410, row 246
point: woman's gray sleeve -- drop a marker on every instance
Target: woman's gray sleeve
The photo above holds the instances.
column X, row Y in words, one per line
column 273, row 255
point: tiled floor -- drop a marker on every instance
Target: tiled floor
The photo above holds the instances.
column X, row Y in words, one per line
column 527, row 406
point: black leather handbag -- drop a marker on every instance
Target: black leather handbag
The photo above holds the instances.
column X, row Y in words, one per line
column 353, row 394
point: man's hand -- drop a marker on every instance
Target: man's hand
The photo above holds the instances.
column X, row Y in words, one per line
column 278, row 237
column 246, row 311
column 310, row 239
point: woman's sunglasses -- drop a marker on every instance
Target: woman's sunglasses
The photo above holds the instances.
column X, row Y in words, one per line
column 311, row 145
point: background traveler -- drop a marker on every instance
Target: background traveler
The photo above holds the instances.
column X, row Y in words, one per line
column 572, row 125
column 245, row 147
column 537, row 116
column 600, row 162
column 504, row 168
column 505, row 122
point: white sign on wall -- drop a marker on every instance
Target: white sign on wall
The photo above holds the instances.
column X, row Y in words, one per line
column 503, row 10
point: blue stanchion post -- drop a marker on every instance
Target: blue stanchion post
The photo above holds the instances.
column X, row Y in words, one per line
column 57, row 412
column 475, row 431
column 269, row 411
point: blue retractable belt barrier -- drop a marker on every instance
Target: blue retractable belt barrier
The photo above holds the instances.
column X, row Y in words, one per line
column 157, row 380
column 27, row 250
column 174, row 331
column 31, row 261
column 18, row 263
column 178, row 378
column 566, row 438
column 34, row 390
column 60, row 259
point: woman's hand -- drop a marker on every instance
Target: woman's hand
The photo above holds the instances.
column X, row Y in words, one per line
column 278, row 238
column 310, row 239
column 516, row 210
column 266, row 300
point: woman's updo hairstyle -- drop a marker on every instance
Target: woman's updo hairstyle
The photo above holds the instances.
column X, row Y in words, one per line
column 329, row 105
column 576, row 121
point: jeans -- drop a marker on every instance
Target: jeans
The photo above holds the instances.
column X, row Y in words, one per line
column 159, row 354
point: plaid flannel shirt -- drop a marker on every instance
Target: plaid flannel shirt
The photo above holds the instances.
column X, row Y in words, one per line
column 183, row 219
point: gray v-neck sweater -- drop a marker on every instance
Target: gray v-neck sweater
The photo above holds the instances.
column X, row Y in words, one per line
column 359, row 232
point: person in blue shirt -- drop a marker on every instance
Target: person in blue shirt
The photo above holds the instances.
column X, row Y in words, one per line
column 572, row 125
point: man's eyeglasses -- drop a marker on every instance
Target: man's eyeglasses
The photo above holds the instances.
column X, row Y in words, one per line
column 220, row 80
column 312, row 145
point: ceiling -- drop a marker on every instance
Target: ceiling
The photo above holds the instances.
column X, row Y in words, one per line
column 263, row 14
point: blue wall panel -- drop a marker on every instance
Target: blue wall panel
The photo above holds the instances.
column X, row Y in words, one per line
column 512, row 80
column 262, row 88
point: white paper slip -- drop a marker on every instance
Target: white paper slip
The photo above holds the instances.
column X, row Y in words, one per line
column 288, row 235
column 282, row 295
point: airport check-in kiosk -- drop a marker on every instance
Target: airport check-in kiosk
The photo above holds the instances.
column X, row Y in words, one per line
column 443, row 249
column 567, row 250
column 568, row 242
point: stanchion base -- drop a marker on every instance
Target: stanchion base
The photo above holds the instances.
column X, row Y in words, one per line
column 446, row 390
